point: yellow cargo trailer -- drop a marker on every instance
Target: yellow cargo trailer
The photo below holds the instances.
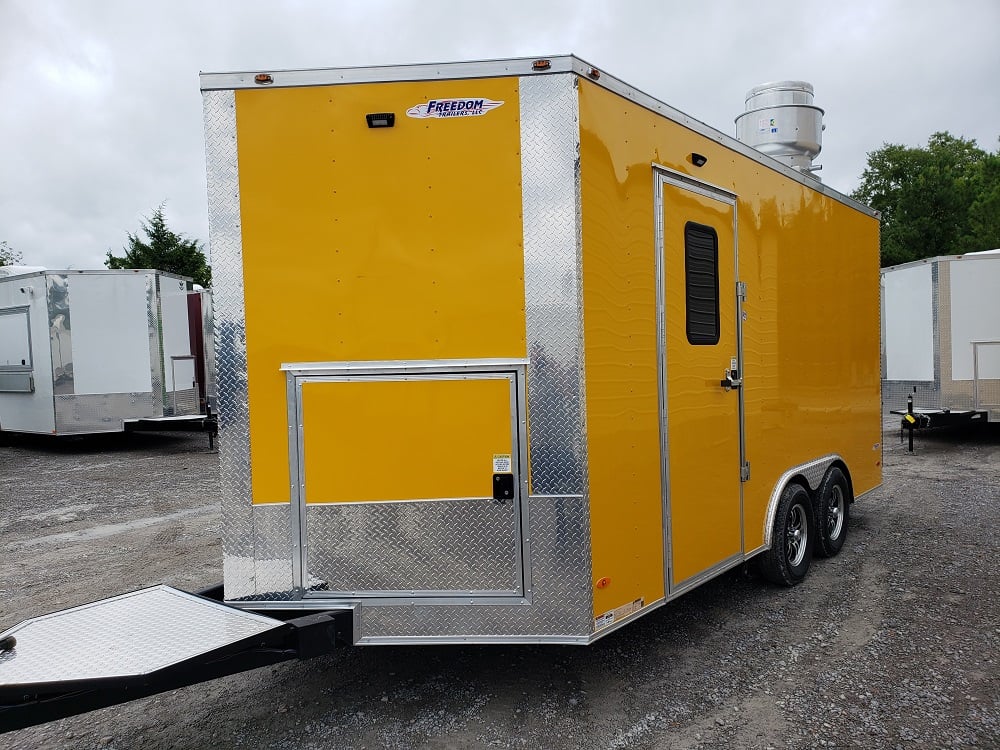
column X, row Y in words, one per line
column 511, row 351
column 507, row 352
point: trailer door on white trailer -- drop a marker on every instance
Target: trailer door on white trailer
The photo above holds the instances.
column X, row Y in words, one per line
column 975, row 316
column 110, row 330
column 907, row 305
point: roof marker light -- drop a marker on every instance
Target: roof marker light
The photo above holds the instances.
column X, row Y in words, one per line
column 541, row 65
column 263, row 78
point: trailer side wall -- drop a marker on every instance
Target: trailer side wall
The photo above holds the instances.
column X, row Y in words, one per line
column 811, row 340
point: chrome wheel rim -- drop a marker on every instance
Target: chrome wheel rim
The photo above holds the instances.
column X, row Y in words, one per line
column 835, row 513
column 796, row 535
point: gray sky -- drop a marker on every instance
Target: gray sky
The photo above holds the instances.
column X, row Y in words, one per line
column 100, row 111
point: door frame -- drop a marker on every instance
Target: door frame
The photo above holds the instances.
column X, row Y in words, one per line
column 664, row 176
column 299, row 373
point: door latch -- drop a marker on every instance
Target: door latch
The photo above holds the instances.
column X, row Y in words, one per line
column 731, row 379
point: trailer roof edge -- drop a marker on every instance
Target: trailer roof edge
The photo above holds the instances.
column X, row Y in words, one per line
column 97, row 271
column 518, row 66
column 979, row 255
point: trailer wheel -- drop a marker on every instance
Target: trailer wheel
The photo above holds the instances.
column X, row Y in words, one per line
column 787, row 560
column 831, row 509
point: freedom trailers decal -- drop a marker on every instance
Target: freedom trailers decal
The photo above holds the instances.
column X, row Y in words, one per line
column 452, row 108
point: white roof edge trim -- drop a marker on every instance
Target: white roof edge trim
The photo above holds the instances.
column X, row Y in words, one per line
column 979, row 255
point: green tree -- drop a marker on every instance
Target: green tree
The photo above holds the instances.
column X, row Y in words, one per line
column 163, row 250
column 938, row 200
column 8, row 255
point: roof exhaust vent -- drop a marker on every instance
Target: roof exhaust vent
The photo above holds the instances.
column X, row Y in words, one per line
column 781, row 121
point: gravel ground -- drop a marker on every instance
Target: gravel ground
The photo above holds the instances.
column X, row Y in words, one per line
column 892, row 644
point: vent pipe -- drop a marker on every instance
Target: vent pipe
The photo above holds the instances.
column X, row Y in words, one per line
column 781, row 121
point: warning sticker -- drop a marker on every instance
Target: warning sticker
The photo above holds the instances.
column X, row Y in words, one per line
column 501, row 463
column 618, row 613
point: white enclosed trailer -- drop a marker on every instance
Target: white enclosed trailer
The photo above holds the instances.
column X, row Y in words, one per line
column 93, row 351
column 941, row 338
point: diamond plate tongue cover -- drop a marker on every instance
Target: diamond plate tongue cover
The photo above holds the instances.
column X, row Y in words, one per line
column 131, row 634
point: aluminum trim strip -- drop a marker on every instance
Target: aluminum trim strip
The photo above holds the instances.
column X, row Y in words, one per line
column 447, row 640
column 706, row 189
column 364, row 367
column 866, row 493
column 597, row 635
column 386, row 73
column 706, row 575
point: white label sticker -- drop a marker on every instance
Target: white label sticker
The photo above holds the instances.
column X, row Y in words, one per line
column 439, row 108
column 767, row 125
column 604, row 620
column 618, row 613
column 501, row 463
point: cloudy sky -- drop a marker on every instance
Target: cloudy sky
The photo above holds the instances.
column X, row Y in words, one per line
column 100, row 109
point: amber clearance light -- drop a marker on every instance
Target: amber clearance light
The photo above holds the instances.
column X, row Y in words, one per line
column 263, row 78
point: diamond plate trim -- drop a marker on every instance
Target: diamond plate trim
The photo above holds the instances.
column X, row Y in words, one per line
column 226, row 257
column 272, row 550
column 550, row 153
column 101, row 412
column 560, row 605
column 131, row 634
column 444, row 546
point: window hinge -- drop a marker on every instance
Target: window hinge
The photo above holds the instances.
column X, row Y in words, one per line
column 745, row 472
column 741, row 290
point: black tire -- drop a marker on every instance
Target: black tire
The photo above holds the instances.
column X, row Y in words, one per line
column 831, row 510
column 787, row 561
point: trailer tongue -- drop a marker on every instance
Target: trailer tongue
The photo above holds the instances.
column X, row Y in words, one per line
column 138, row 644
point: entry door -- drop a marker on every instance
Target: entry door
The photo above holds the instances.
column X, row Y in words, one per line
column 700, row 374
column 410, row 483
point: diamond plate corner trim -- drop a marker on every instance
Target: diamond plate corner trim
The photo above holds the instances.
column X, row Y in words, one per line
column 226, row 258
column 553, row 261
column 272, row 549
column 550, row 152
